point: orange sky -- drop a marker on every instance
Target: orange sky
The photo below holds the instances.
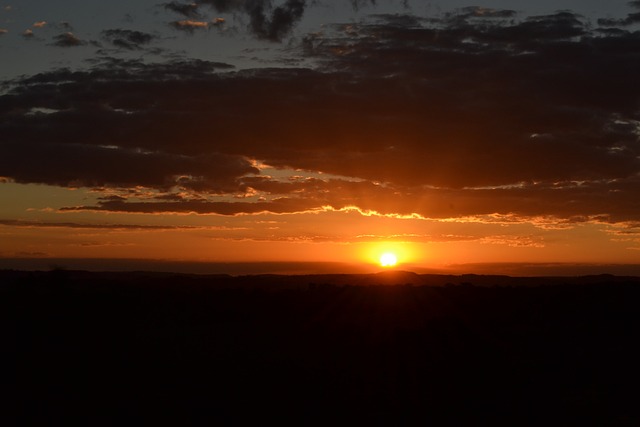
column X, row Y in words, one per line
column 347, row 236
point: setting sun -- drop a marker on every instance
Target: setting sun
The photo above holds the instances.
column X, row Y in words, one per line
column 390, row 254
column 388, row 259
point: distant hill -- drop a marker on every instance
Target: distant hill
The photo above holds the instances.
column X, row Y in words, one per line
column 267, row 281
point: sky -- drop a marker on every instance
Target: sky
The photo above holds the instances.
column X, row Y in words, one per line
column 459, row 136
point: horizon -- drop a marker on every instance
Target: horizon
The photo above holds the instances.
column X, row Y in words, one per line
column 314, row 268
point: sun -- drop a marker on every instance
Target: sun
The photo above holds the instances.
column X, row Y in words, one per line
column 388, row 259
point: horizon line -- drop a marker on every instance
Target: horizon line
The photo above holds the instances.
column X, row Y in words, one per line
column 238, row 268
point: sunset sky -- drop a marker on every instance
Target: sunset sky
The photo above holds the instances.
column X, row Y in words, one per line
column 321, row 131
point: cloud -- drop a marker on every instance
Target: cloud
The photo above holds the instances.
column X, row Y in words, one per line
column 265, row 20
column 398, row 20
column 67, row 160
column 482, row 12
column 357, row 4
column 40, row 24
column 41, row 224
column 541, row 206
column 67, row 39
column 285, row 205
column 91, row 166
column 472, row 114
column 631, row 19
column 281, row 21
column 3, row 31
column 189, row 10
column 189, row 25
column 127, row 39
column 28, row 33
column 229, row 5
column 514, row 241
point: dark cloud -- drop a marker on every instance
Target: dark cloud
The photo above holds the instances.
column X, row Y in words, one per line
column 189, row 10
column 67, row 39
column 41, row 224
column 357, row 4
column 632, row 18
column 611, row 31
column 558, row 26
column 227, row 5
column 127, row 39
column 118, row 71
column 398, row 20
column 3, row 31
column 281, row 21
column 469, row 115
column 266, row 21
column 83, row 160
column 284, row 205
column 481, row 12
column 90, row 166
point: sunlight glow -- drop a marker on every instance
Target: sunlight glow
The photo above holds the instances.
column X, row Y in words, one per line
column 388, row 259
column 403, row 253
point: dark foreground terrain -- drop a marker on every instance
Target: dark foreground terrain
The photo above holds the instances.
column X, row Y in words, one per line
column 387, row 349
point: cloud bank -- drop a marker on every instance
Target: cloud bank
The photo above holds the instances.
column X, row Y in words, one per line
column 477, row 112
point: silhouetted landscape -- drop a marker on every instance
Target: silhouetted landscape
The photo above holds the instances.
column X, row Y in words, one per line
column 197, row 198
column 390, row 348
